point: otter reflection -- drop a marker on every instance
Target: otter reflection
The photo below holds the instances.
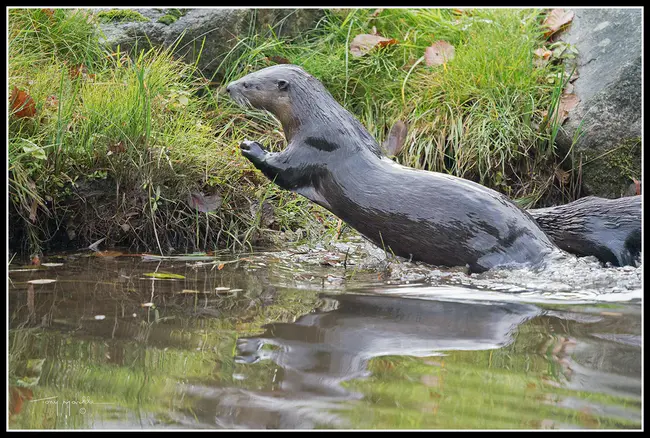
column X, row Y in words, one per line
column 321, row 350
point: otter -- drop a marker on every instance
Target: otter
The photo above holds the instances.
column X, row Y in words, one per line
column 608, row 229
column 421, row 215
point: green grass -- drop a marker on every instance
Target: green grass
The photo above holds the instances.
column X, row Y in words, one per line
column 150, row 128
column 135, row 124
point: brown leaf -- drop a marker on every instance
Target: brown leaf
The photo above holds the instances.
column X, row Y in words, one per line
column 220, row 267
column 543, row 53
column 107, row 254
column 117, row 148
column 396, row 137
column 542, row 56
column 32, row 211
column 562, row 176
column 376, row 13
column 439, row 53
column 279, row 60
column 78, row 70
column 17, row 395
column 363, row 43
column 567, row 103
column 204, row 203
column 36, row 261
column 556, row 19
column 22, row 104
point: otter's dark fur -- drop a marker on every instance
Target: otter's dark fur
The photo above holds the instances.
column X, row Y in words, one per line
column 609, row 229
column 332, row 160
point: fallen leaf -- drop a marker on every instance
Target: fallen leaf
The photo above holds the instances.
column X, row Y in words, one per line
column 36, row 261
column 41, row 281
column 567, row 103
column 396, row 137
column 376, row 13
column 78, row 70
column 165, row 275
column 117, row 148
column 439, row 53
column 543, row 53
column 93, row 246
column 556, row 19
column 17, row 395
column 562, row 176
column 220, row 267
column 278, row 60
column 22, row 104
column 605, row 313
column 107, row 254
column 203, row 203
column 363, row 43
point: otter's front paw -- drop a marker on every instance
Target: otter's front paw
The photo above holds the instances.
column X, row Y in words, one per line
column 252, row 150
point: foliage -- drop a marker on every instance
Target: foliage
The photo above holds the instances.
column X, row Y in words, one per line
column 104, row 144
column 120, row 16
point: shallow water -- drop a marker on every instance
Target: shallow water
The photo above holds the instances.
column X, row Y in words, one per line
column 279, row 340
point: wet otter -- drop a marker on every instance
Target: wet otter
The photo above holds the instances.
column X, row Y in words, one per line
column 332, row 160
column 609, row 229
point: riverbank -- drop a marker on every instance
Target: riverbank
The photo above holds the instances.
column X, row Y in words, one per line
column 140, row 150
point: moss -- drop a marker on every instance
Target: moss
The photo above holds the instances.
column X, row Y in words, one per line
column 171, row 15
column 167, row 19
column 609, row 174
column 120, row 16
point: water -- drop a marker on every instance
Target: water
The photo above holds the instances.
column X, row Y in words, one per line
column 285, row 341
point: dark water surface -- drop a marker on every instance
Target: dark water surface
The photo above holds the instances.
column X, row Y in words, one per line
column 260, row 341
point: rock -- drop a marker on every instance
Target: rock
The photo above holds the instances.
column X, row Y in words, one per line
column 221, row 28
column 609, row 88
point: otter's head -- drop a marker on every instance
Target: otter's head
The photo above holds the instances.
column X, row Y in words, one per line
column 297, row 99
column 269, row 89
column 279, row 89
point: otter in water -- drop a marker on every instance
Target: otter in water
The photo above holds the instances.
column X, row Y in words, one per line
column 332, row 160
column 609, row 229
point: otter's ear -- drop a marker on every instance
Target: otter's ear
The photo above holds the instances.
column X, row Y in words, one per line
column 282, row 84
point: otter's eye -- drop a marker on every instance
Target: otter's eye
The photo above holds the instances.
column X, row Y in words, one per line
column 282, row 84
column 246, row 84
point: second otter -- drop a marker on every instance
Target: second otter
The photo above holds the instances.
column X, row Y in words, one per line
column 332, row 160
